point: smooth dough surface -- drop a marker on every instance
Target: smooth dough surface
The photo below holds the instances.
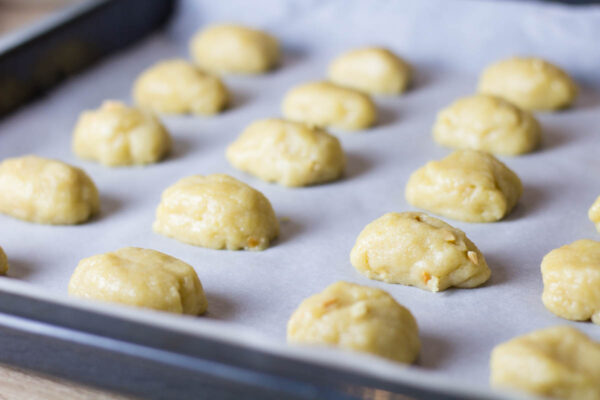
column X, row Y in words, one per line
column 289, row 153
column 530, row 83
column 487, row 123
column 116, row 135
column 3, row 262
column 559, row 362
column 358, row 318
column 467, row 185
column 216, row 211
column 142, row 278
column 571, row 276
column 326, row 104
column 235, row 49
column 373, row 70
column 416, row 249
column 179, row 87
column 594, row 213
column 46, row 191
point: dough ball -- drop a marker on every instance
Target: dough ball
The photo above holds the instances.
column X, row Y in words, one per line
column 415, row 249
column 558, row 362
column 140, row 278
column 571, row 277
column 216, row 211
column 326, row 104
column 46, row 191
column 3, row 262
column 117, row 135
column 179, row 87
column 288, row 153
column 235, row 49
column 487, row 123
column 530, row 83
column 594, row 213
column 372, row 70
column 468, row 185
column 358, row 318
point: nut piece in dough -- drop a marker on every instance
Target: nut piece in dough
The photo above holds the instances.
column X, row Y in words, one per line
column 3, row 262
column 416, row 249
column 140, row 278
column 468, row 185
column 326, row 104
column 118, row 135
column 216, row 211
column 357, row 318
column 571, row 276
column 487, row 123
column 594, row 213
column 372, row 70
column 234, row 49
column 179, row 87
column 530, row 83
column 46, row 191
column 289, row 153
column 559, row 362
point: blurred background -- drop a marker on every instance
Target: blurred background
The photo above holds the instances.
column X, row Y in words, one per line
column 15, row 13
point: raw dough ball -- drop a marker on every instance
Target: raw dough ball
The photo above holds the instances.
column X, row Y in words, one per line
column 488, row 123
column 558, row 362
column 179, row 87
column 594, row 213
column 415, row 249
column 234, row 48
column 119, row 135
column 325, row 104
column 141, row 278
column 46, row 191
column 289, row 153
column 467, row 185
column 216, row 211
column 571, row 277
column 3, row 262
column 372, row 70
column 530, row 83
column 358, row 318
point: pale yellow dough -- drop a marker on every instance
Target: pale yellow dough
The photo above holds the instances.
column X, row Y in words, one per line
column 559, row 362
column 487, row 123
column 326, row 104
column 373, row 70
column 288, row 153
column 235, row 49
column 3, row 262
column 179, row 87
column 140, row 278
column 357, row 318
column 530, row 83
column 216, row 211
column 46, row 191
column 117, row 135
column 467, row 185
column 594, row 213
column 571, row 277
column 416, row 249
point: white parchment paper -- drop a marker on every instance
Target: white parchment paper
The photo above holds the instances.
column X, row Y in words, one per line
column 448, row 43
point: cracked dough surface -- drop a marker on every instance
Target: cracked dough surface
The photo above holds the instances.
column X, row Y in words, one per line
column 288, row 153
column 594, row 213
column 3, row 262
column 357, row 318
column 416, row 249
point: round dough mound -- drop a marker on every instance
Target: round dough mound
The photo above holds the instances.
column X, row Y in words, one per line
column 46, row 191
column 372, row 70
column 216, row 211
column 530, row 83
column 235, row 49
column 357, row 318
column 179, row 87
column 118, row 135
column 140, row 278
column 571, row 277
column 3, row 262
column 326, row 104
column 468, row 185
column 416, row 249
column 289, row 153
column 559, row 362
column 594, row 213
column 487, row 123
